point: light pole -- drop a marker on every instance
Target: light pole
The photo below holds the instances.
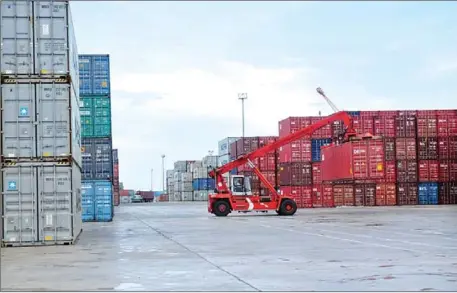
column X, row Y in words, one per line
column 163, row 173
column 152, row 179
column 242, row 97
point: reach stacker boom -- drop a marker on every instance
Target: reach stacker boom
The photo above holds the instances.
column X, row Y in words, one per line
column 238, row 196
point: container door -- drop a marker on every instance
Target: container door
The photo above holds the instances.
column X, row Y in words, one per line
column 19, row 204
column 88, row 201
column 55, row 203
column 103, row 201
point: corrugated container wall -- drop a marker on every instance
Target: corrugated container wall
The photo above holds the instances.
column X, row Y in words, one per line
column 116, row 187
column 96, row 116
column 94, row 71
column 224, row 145
column 97, row 200
column 97, row 159
column 38, row 39
column 41, row 204
column 40, row 120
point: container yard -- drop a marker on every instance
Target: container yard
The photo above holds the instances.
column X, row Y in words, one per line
column 350, row 201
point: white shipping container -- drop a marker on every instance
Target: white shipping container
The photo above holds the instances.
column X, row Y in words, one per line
column 125, row 199
column 186, row 177
column 210, row 161
column 177, row 186
column 224, row 145
column 193, row 164
column 170, row 174
column 177, row 196
column 201, row 195
column 41, row 204
column 177, row 176
column 224, row 160
column 38, row 38
column 200, row 173
column 40, row 120
column 186, row 186
column 180, row 166
column 186, row 196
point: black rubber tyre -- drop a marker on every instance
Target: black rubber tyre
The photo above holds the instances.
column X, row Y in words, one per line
column 221, row 208
column 288, row 208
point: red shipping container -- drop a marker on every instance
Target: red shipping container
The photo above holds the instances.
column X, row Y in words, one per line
column 364, row 194
column 116, row 198
column 343, row 195
column 386, row 194
column 447, row 147
column 296, row 192
column 405, row 148
column 324, row 132
column 428, row 171
column 427, row 124
column 427, row 148
column 442, row 125
column 453, row 171
column 267, row 162
column 443, row 175
column 355, row 160
column 407, row 194
column 405, row 124
column 233, row 154
column 295, row 174
column 391, row 172
column 337, row 128
column 123, row 192
column 364, row 123
column 407, row 171
column 298, row 151
column 317, row 178
column 384, row 126
column 452, row 113
column 447, row 193
column 322, row 196
column 307, row 196
column 452, row 126
column 389, row 148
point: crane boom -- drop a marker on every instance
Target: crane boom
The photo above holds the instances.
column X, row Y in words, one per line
column 346, row 118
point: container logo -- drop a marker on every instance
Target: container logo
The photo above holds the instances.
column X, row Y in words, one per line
column 23, row 112
column 12, row 185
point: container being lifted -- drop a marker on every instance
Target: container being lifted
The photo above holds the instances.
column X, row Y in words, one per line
column 238, row 196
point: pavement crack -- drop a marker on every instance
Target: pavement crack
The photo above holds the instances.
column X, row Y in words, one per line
column 198, row 255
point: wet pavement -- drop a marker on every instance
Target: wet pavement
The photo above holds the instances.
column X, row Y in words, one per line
column 179, row 247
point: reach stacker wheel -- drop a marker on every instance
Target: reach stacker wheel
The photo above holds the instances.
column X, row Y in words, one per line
column 221, row 208
column 288, row 208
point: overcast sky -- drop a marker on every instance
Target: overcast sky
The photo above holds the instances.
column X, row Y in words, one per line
column 177, row 67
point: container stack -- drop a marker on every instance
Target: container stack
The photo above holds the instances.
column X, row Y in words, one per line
column 40, row 125
column 266, row 164
column 125, row 196
column 182, row 180
column 202, row 184
column 299, row 163
column 224, row 150
column 116, row 199
column 170, row 184
column 96, row 137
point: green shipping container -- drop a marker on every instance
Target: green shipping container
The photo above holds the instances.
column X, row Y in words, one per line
column 95, row 116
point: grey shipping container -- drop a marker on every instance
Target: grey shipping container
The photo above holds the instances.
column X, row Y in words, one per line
column 41, row 204
column 115, row 156
column 38, row 39
column 97, row 158
column 40, row 120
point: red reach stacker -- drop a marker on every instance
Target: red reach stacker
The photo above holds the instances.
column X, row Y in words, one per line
column 237, row 194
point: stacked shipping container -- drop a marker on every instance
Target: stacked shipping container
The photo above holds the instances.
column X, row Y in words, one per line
column 98, row 164
column 116, row 196
column 202, row 185
column 182, row 180
column 40, row 124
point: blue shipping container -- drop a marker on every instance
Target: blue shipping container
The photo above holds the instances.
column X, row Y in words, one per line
column 428, row 193
column 353, row 113
column 94, row 75
column 97, row 200
column 203, row 184
column 316, row 145
column 97, row 158
column 158, row 193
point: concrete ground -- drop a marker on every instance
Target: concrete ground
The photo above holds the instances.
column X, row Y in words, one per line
column 179, row 247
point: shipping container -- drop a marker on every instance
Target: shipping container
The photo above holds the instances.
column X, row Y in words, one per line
column 365, row 194
column 405, row 148
column 224, row 145
column 384, row 125
column 96, row 116
column 302, row 195
column 389, row 148
column 294, row 124
column 115, row 156
column 201, row 195
column 343, row 195
column 364, row 124
column 407, row 194
column 38, row 39
column 427, row 148
column 297, row 151
column 116, row 198
column 148, row 196
column 97, row 158
column 94, row 73
column 453, row 171
column 447, row 125
column 443, row 171
column 428, row 193
column 316, row 145
column 210, row 161
column 316, row 172
column 97, row 198
column 323, row 132
column 203, row 184
column 257, row 186
column 268, row 162
column 452, row 126
column 41, row 204
column 386, row 194
column 407, row 171
column 405, row 124
column 391, row 172
column 447, row 193
column 429, row 171
column 356, row 160
column 295, row 174
column 40, row 120
column 447, row 147
column 427, row 124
